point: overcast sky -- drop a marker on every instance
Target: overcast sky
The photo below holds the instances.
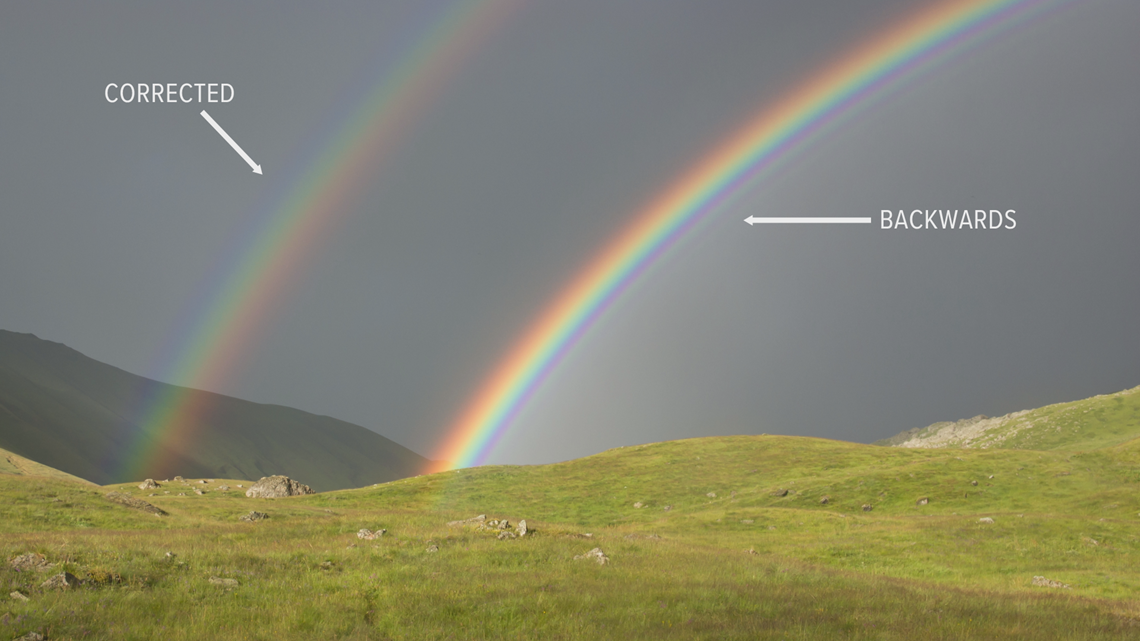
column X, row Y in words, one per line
column 544, row 143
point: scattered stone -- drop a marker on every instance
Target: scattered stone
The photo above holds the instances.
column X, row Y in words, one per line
column 223, row 488
column 987, row 520
column 522, row 530
column 19, row 596
column 253, row 516
column 867, row 507
column 639, row 504
column 595, row 554
column 780, row 492
column 504, row 525
column 752, row 551
column 240, row 485
column 1089, row 541
column 711, row 495
column 668, row 507
column 824, row 500
column 61, row 581
column 1042, row 582
column 166, row 491
column 225, row 583
column 326, row 565
column 991, row 476
column 31, row 636
column 505, row 535
column 433, row 548
column 203, row 481
column 369, row 535
column 746, row 521
column 922, row 501
column 277, row 486
column 29, row 562
column 199, row 492
column 132, row 502
column 974, row 483
column 170, row 555
column 589, row 535
column 148, row 484
column 179, row 478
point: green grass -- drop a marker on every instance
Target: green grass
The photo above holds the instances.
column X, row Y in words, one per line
column 799, row 569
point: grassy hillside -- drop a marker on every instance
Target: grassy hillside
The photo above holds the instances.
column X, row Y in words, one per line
column 81, row 416
column 750, row 562
column 11, row 463
column 1090, row 423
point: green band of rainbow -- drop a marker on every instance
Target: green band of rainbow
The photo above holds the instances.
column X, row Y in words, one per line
column 213, row 344
column 940, row 30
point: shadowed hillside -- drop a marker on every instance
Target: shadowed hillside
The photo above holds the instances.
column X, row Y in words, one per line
column 75, row 414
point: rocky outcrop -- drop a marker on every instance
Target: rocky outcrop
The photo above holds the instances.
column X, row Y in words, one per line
column 149, row 484
column 253, row 516
column 369, row 535
column 274, row 487
column 30, row 562
column 132, row 502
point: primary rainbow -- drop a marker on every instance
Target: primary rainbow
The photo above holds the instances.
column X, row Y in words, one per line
column 940, row 30
column 249, row 286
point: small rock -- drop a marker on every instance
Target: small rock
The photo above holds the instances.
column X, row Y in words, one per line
column 746, row 521
column 1042, row 582
column 203, row 481
column 31, row 636
column 922, row 501
column 780, row 492
column 1092, row 542
column 19, row 596
column 991, row 476
column 199, row 492
column 253, row 516
column 595, row 554
column 639, row 504
column 521, row 530
column 240, row 485
column 225, row 583
column 504, row 525
column 711, row 495
column 668, row 507
column 771, row 527
column 170, row 555
column 506, row 534
column 148, row 484
column 179, row 478
column 824, row 500
column 974, row 483
column 277, row 486
column 473, row 520
column 224, row 488
column 987, row 520
column 369, row 535
column 433, row 548
column 867, row 507
column 752, row 551
column 61, row 581
column 326, row 565
column 30, row 561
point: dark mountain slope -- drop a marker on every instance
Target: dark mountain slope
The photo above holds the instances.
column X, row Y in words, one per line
column 65, row 410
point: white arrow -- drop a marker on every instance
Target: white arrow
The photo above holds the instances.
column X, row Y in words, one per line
column 752, row 220
column 218, row 128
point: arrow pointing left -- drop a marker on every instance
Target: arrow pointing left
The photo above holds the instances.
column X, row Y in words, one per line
column 245, row 156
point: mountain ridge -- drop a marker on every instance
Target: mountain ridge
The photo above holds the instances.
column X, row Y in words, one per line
column 73, row 413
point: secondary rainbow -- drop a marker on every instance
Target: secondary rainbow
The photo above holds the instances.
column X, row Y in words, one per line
column 251, row 284
column 938, row 31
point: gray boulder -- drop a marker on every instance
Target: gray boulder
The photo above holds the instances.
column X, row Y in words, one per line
column 61, row 581
column 253, row 516
column 277, row 486
column 148, row 484
column 596, row 554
